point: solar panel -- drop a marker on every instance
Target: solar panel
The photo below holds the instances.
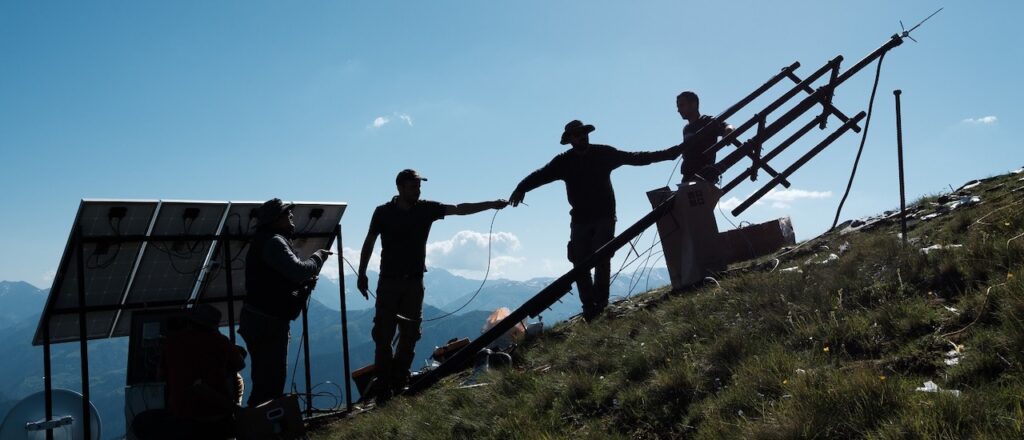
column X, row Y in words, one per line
column 168, row 269
column 151, row 255
column 108, row 265
column 315, row 218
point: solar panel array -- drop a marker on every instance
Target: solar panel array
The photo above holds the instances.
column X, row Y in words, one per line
column 151, row 255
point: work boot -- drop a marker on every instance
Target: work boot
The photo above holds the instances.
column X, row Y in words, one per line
column 383, row 396
column 400, row 383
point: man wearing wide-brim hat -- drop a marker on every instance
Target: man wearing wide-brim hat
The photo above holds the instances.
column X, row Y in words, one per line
column 586, row 170
column 277, row 284
column 403, row 225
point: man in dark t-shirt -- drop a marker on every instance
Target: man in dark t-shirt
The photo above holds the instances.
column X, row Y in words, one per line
column 697, row 164
column 403, row 225
column 586, row 170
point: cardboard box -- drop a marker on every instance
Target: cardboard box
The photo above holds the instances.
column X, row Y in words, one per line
column 276, row 419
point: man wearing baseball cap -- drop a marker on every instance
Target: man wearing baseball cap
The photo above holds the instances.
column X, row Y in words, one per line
column 277, row 284
column 586, row 170
column 403, row 225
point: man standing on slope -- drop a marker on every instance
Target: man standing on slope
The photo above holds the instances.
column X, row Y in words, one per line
column 698, row 165
column 586, row 170
column 278, row 283
column 403, row 225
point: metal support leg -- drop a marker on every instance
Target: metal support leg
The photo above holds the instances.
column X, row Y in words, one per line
column 344, row 322
column 47, row 375
column 226, row 267
column 305, row 351
column 83, row 337
column 899, row 155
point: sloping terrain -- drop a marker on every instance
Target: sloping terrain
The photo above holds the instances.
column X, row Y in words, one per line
column 831, row 339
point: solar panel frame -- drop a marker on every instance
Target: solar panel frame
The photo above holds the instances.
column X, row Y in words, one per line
column 134, row 232
column 95, row 219
column 168, row 270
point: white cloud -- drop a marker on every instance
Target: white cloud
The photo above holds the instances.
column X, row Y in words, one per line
column 466, row 253
column 731, row 203
column 984, row 120
column 405, row 117
column 381, row 121
column 780, row 199
column 48, row 276
column 792, row 195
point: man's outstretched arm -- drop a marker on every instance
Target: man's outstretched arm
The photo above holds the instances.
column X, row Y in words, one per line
column 647, row 157
column 548, row 173
column 473, row 208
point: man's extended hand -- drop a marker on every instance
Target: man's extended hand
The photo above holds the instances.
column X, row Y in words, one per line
column 363, row 284
column 516, row 198
column 499, row 204
column 322, row 254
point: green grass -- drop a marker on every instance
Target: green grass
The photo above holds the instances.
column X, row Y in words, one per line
column 834, row 351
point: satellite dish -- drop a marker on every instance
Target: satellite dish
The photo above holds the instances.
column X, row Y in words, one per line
column 27, row 420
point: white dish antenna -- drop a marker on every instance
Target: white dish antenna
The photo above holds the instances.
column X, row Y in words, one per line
column 27, row 420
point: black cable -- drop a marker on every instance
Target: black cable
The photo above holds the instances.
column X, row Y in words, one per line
column 490, row 237
column 354, row 271
column 110, row 261
column 632, row 245
column 863, row 139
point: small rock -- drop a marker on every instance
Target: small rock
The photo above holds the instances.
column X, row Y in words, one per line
column 969, row 185
column 931, row 387
column 928, row 250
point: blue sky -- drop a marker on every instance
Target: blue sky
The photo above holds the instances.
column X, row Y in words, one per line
column 251, row 100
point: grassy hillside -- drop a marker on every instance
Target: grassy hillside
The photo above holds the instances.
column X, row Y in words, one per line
column 809, row 346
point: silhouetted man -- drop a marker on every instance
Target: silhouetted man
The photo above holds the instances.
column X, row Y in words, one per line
column 277, row 283
column 586, row 170
column 403, row 225
column 698, row 165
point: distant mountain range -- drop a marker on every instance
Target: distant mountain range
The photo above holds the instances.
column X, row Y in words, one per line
column 21, row 367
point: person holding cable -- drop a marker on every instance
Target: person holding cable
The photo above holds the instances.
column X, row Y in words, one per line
column 403, row 225
column 586, row 170
column 277, row 284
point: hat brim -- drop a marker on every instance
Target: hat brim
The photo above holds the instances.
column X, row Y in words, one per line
column 410, row 179
column 586, row 129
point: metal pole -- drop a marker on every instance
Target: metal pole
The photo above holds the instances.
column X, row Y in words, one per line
column 83, row 339
column 227, row 266
column 899, row 155
column 344, row 321
column 47, row 381
column 542, row 300
column 305, row 351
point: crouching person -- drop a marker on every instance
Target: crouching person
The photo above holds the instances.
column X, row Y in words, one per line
column 199, row 366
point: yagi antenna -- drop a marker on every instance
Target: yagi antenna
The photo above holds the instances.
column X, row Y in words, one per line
column 906, row 32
